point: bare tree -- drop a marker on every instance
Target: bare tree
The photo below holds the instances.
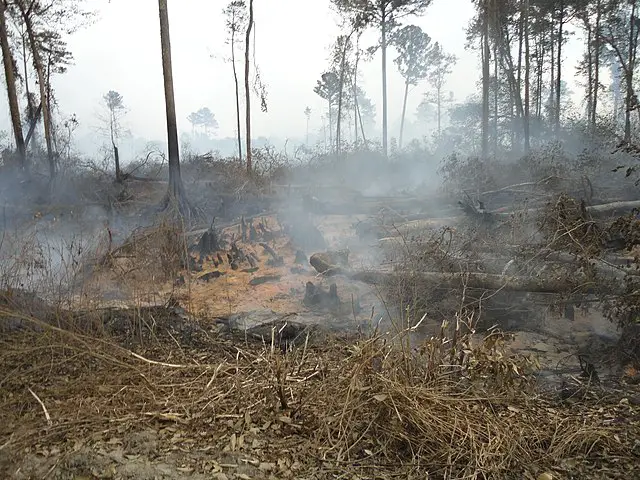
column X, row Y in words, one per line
column 176, row 187
column 236, row 19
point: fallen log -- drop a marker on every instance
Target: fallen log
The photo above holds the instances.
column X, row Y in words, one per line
column 577, row 283
column 601, row 210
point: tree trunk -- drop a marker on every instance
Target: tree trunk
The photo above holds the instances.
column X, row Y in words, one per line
column 383, row 47
column 12, row 93
column 596, row 67
column 439, row 107
column 364, row 136
column 539, row 73
column 247, row 91
column 589, row 65
column 32, row 125
column 176, row 188
column 235, row 80
column 331, row 144
column 552, row 81
column 404, row 111
column 116, row 153
column 355, row 91
column 116, row 158
column 629, row 73
column 46, row 113
column 526, row 119
column 340, row 91
column 559, row 67
column 485, row 82
column 496, row 87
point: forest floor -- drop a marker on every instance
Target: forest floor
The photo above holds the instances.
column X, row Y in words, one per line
column 209, row 371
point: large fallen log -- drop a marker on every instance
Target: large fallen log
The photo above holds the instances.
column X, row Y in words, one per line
column 601, row 210
column 577, row 283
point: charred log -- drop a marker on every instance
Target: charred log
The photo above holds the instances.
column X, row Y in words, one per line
column 316, row 296
column 209, row 242
column 275, row 260
column 264, row 279
column 330, row 262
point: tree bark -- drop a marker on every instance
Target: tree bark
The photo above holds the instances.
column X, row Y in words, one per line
column 14, row 108
column 247, row 90
column 176, row 188
column 235, row 80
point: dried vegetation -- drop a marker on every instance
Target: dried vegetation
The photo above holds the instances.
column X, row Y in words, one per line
column 154, row 392
column 218, row 403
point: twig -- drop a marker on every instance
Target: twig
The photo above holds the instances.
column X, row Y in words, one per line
column 44, row 408
column 153, row 362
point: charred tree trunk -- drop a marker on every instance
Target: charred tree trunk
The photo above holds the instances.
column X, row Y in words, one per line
column 247, row 89
column 176, row 188
column 12, row 94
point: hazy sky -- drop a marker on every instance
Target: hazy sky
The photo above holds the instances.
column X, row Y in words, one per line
column 121, row 51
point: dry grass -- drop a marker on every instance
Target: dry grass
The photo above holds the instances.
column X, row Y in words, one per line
column 374, row 408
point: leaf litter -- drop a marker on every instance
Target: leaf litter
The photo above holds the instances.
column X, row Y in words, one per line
column 226, row 406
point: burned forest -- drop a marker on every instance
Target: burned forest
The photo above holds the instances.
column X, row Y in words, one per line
column 406, row 245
